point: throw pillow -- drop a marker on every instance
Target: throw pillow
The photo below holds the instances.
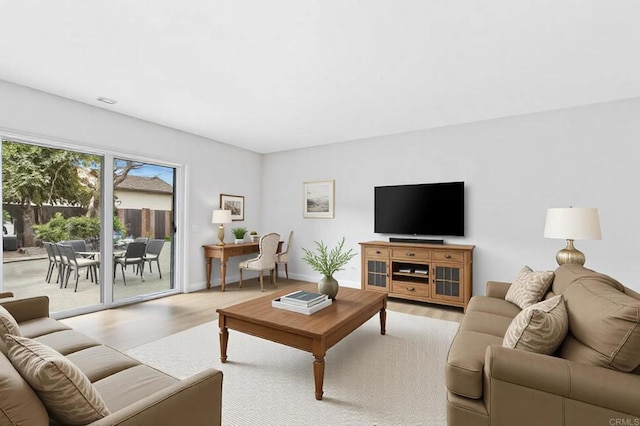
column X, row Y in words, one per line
column 540, row 328
column 65, row 391
column 529, row 287
column 8, row 324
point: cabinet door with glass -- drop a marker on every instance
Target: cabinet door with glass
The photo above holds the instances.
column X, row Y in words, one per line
column 447, row 282
column 375, row 264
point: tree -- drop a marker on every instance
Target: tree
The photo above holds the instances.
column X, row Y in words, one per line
column 34, row 175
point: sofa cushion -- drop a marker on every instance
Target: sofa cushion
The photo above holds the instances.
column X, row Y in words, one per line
column 140, row 382
column 567, row 274
column 66, row 341
column 8, row 324
column 486, row 323
column 529, row 287
column 606, row 321
column 41, row 326
column 540, row 328
column 465, row 362
column 66, row 392
column 493, row 305
column 98, row 362
column 19, row 405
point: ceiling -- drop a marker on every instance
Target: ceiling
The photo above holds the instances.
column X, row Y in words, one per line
column 274, row 75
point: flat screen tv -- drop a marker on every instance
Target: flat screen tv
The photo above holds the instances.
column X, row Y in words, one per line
column 423, row 209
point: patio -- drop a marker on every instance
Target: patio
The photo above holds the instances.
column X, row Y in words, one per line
column 25, row 273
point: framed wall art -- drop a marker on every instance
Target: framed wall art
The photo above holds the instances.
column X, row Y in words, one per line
column 235, row 203
column 318, row 199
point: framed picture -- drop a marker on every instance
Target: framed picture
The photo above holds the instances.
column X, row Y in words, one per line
column 235, row 203
column 319, row 199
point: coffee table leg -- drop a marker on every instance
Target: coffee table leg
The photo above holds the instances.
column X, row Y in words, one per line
column 383, row 321
column 318, row 374
column 224, row 338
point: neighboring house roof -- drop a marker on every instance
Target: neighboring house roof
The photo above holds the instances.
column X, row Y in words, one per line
column 145, row 184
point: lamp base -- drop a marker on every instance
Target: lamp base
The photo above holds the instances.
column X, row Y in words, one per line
column 570, row 254
column 221, row 235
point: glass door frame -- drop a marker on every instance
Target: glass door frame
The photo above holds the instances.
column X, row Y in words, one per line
column 178, row 276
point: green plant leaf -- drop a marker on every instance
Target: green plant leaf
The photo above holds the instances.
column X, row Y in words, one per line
column 326, row 261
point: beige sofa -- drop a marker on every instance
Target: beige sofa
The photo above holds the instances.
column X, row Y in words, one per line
column 134, row 393
column 581, row 384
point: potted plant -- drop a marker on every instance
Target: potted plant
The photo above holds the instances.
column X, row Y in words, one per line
column 328, row 262
column 254, row 236
column 239, row 233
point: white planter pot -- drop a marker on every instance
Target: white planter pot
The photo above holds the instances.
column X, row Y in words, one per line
column 239, row 241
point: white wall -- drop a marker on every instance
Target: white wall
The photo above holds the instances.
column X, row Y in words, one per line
column 514, row 169
column 211, row 167
column 143, row 200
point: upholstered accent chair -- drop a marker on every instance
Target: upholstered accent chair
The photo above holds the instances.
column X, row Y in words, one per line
column 266, row 260
column 283, row 256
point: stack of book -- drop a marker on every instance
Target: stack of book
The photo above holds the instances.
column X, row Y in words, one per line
column 303, row 302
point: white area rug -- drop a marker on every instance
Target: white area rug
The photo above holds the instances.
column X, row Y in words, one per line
column 370, row 379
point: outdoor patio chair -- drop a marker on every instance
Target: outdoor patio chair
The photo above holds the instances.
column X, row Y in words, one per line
column 133, row 256
column 141, row 240
column 55, row 262
column 72, row 263
column 78, row 245
column 154, row 247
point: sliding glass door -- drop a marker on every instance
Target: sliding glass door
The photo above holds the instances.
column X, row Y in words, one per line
column 50, row 196
column 143, row 207
column 54, row 196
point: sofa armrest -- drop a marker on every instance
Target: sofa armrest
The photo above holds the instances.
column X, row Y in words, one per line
column 196, row 400
column 497, row 289
column 26, row 308
column 4, row 294
column 582, row 382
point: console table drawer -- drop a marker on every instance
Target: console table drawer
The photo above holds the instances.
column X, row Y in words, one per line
column 448, row 256
column 376, row 252
column 235, row 251
column 410, row 254
column 410, row 289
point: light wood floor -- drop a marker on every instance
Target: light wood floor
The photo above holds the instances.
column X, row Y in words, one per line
column 129, row 326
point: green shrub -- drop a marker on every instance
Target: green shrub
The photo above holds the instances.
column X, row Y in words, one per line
column 53, row 231
column 59, row 228
column 82, row 227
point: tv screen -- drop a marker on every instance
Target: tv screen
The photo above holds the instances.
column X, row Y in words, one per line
column 423, row 209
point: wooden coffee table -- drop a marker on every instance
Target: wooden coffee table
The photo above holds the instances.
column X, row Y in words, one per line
column 314, row 333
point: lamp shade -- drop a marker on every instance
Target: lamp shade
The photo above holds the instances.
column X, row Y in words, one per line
column 221, row 216
column 573, row 223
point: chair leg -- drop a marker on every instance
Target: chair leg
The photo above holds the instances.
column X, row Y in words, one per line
column 141, row 267
column 159, row 271
column 66, row 277
column 261, row 281
column 123, row 277
column 286, row 270
column 240, row 285
column 78, row 278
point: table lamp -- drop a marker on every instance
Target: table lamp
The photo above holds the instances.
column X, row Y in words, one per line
column 221, row 217
column 572, row 224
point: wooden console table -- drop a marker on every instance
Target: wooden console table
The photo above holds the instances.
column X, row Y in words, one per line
column 214, row 251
